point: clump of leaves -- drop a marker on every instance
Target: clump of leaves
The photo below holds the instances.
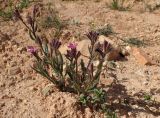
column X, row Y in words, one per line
column 80, row 78
column 51, row 19
column 147, row 97
column 106, row 30
column 95, row 98
column 23, row 4
column 119, row 5
column 134, row 42
column 7, row 14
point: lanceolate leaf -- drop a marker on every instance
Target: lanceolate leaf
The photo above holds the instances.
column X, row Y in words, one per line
column 31, row 35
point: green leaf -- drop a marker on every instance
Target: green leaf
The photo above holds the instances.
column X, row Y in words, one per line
column 35, row 27
column 31, row 35
column 61, row 62
column 84, row 70
column 46, row 48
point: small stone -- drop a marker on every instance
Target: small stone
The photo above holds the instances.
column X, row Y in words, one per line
column 13, row 63
column 145, row 83
column 25, row 101
column 124, row 116
column 125, row 52
column 96, row 63
column 158, row 91
column 14, row 70
column 33, row 88
column 88, row 113
column 21, row 49
column 129, row 113
column 103, row 38
column 156, row 77
column 5, row 59
column 26, row 76
column 141, row 56
column 128, row 48
column 104, row 63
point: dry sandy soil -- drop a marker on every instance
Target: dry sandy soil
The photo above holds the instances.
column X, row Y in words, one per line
column 21, row 88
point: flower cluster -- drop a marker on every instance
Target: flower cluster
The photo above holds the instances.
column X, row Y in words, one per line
column 55, row 44
column 93, row 36
column 104, row 48
column 32, row 50
column 72, row 53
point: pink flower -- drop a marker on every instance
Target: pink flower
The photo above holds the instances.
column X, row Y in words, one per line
column 31, row 49
column 72, row 45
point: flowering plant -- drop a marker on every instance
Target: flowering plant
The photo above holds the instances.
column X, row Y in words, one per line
column 77, row 76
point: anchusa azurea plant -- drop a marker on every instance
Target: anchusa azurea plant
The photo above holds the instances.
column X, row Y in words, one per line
column 68, row 72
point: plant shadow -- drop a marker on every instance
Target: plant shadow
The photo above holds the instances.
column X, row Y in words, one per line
column 119, row 100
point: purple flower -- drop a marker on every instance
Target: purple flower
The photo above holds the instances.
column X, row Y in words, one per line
column 73, row 54
column 31, row 49
column 56, row 44
column 35, row 10
column 17, row 14
column 72, row 45
column 93, row 36
column 29, row 20
column 104, row 48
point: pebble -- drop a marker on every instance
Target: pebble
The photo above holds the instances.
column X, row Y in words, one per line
column 141, row 56
column 96, row 63
column 13, row 63
column 26, row 76
column 33, row 88
column 158, row 91
column 88, row 113
column 14, row 70
column 129, row 113
column 145, row 83
column 25, row 101
column 21, row 49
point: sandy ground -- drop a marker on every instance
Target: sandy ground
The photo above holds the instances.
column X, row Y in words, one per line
column 21, row 88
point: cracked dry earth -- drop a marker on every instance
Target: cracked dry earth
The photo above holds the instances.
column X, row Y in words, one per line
column 21, row 88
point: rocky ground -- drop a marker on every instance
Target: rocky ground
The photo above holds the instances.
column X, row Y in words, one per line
column 22, row 91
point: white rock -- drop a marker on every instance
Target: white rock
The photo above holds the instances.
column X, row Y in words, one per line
column 103, row 38
column 14, row 70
